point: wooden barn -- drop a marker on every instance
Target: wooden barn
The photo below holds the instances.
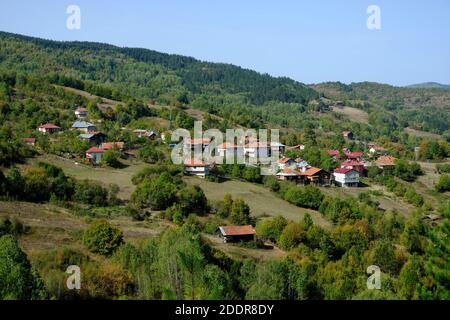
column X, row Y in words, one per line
column 237, row 233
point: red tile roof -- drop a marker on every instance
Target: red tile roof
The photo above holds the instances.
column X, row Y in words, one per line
column 81, row 109
column 288, row 172
column 352, row 163
column 198, row 141
column 333, row 153
column 257, row 145
column 29, row 140
column 237, row 230
column 95, row 150
column 112, row 145
column 284, row 160
column 310, row 171
column 195, row 163
column 354, row 155
column 343, row 170
column 49, row 126
column 227, row 145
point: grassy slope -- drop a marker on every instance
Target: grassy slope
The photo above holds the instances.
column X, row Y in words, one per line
column 122, row 177
column 54, row 226
column 262, row 201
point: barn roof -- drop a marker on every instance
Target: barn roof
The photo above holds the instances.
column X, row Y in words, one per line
column 237, row 230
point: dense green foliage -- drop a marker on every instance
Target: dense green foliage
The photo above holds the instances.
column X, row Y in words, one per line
column 17, row 279
column 422, row 109
column 102, row 238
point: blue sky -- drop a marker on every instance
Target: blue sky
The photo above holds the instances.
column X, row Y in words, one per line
column 310, row 41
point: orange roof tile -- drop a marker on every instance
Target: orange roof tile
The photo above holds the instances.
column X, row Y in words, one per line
column 237, row 230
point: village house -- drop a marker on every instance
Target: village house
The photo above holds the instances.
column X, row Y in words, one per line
column 84, row 126
column 141, row 133
column 113, row 145
column 376, row 150
column 199, row 144
column 356, row 165
column 49, row 128
column 313, row 175
column 296, row 147
column 258, row 149
column 196, row 167
column 288, row 174
column 81, row 112
column 353, row 155
column 277, row 146
column 94, row 155
column 300, row 163
column 230, row 149
column 346, row 177
column 385, row 161
column 94, row 138
column 237, row 233
column 347, row 135
column 335, row 154
column 285, row 163
column 30, row 141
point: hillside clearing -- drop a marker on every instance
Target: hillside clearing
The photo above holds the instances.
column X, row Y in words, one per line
column 121, row 177
column 240, row 253
column 422, row 134
column 354, row 114
column 52, row 225
column 262, row 201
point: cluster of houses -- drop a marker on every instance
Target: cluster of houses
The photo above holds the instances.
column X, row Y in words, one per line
column 88, row 132
column 352, row 164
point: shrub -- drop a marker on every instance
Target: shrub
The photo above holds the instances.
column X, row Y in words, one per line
column 252, row 174
column 90, row 192
column 443, row 184
column 240, row 212
column 271, row 229
column 12, row 227
column 102, row 238
column 193, row 200
column 111, row 158
column 272, row 183
column 158, row 194
column 307, row 197
column 292, row 235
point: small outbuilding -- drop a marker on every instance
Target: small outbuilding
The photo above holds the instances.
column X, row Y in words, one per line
column 237, row 233
column 49, row 128
column 94, row 155
column 81, row 112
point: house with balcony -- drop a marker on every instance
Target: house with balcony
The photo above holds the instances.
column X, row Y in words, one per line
column 346, row 177
column 196, row 167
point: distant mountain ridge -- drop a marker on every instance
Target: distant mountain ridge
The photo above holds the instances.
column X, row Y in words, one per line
column 430, row 85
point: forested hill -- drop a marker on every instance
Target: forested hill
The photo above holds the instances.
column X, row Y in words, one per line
column 115, row 72
column 426, row 109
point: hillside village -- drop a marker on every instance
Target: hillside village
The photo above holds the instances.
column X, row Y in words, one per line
column 350, row 166
column 87, row 177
